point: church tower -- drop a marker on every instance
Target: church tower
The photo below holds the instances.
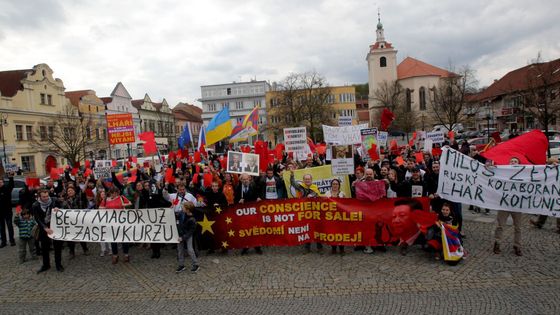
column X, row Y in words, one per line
column 382, row 66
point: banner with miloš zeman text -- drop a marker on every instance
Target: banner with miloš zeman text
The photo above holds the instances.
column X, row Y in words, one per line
column 533, row 189
column 321, row 176
column 292, row 222
column 157, row 225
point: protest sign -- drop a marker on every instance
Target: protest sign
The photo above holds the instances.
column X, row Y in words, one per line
column 533, row 189
column 428, row 144
column 382, row 137
column 343, row 135
column 333, row 221
column 243, row 163
column 10, row 168
column 436, row 136
column 344, row 121
column 295, row 141
column 155, row 225
column 120, row 128
column 369, row 138
column 102, row 169
column 342, row 159
column 322, row 177
column 417, row 190
column 370, row 190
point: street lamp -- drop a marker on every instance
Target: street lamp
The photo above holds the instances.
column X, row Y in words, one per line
column 4, row 122
column 488, row 127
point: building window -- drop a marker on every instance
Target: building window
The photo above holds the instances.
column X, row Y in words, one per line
column 211, row 107
column 422, row 94
column 257, row 103
column 238, row 105
column 19, row 132
column 228, row 91
column 330, row 99
column 43, row 132
column 51, row 132
column 225, row 105
column 383, row 62
column 408, row 100
column 43, row 98
column 29, row 132
column 28, row 163
column 49, row 99
column 88, row 133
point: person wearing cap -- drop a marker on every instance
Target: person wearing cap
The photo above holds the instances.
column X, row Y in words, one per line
column 410, row 167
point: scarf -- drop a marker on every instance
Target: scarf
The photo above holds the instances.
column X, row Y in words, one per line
column 45, row 205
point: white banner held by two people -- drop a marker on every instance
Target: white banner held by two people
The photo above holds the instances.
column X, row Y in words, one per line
column 343, row 135
column 533, row 189
column 155, row 225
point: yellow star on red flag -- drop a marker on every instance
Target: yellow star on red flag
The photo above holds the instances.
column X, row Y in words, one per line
column 218, row 210
column 231, row 233
column 228, row 220
column 206, row 225
column 225, row 244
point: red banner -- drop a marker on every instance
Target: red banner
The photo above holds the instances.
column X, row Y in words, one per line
column 291, row 222
column 120, row 128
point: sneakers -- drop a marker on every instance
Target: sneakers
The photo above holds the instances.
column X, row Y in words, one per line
column 102, row 254
column 180, row 269
column 368, row 250
column 517, row 251
column 497, row 249
column 195, row 268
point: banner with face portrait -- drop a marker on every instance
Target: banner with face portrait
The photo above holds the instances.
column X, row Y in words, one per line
column 243, row 163
column 342, row 159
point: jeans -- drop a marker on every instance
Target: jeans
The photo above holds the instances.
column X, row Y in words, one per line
column 115, row 248
column 190, row 250
column 45, row 249
column 6, row 224
column 23, row 245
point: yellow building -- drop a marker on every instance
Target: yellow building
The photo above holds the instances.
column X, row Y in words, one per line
column 342, row 100
column 29, row 100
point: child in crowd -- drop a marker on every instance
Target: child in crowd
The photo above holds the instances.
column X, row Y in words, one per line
column 25, row 223
column 445, row 214
column 186, row 227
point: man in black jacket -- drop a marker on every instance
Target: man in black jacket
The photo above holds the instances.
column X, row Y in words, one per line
column 6, row 211
column 247, row 192
column 42, row 209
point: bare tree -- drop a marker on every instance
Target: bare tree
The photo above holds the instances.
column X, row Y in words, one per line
column 449, row 103
column 389, row 94
column 68, row 135
column 302, row 99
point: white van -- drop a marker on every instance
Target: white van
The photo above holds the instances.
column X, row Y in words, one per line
column 458, row 128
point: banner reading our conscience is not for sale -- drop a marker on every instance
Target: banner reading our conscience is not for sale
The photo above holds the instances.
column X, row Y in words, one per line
column 533, row 189
column 155, row 225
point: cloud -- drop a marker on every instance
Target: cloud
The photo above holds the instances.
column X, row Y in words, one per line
column 170, row 48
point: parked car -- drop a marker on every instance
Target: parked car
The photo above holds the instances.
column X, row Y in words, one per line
column 471, row 134
column 458, row 128
column 478, row 143
column 554, row 148
column 19, row 184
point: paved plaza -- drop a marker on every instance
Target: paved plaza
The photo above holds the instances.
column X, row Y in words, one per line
column 285, row 281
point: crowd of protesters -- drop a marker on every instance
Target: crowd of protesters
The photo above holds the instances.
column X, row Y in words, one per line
column 197, row 188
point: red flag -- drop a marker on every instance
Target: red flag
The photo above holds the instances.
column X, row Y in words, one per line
column 88, row 172
column 18, row 209
column 197, row 168
column 202, row 150
column 279, row 151
column 32, row 182
column 411, row 142
column 146, row 164
column 419, row 157
column 132, row 179
column 261, row 148
column 149, row 142
column 451, row 135
column 113, row 163
column 179, row 164
column 223, row 162
column 171, row 156
column 529, row 148
column 312, row 145
column 246, row 149
column 169, row 178
column 74, row 171
column 179, row 154
column 387, row 118
column 207, row 180
column 134, row 159
column 88, row 164
column 55, row 173
column 373, row 152
column 496, row 136
column 321, row 149
column 436, row 152
column 197, row 158
column 414, row 136
column 394, row 145
column 400, row 160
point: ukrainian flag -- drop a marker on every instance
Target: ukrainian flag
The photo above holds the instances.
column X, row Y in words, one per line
column 219, row 127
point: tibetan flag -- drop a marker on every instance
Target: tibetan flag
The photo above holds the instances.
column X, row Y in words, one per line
column 185, row 137
column 201, row 137
column 219, row 127
column 251, row 122
column 452, row 248
column 238, row 133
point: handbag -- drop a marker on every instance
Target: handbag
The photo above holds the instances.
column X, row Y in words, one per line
column 35, row 232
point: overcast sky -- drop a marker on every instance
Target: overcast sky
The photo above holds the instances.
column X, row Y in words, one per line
column 170, row 48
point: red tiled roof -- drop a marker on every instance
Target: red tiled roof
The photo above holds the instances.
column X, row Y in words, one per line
column 187, row 112
column 75, row 96
column 106, row 100
column 519, row 79
column 377, row 44
column 10, row 81
column 137, row 103
column 411, row 67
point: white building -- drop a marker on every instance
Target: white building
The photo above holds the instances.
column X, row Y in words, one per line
column 240, row 97
column 120, row 102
